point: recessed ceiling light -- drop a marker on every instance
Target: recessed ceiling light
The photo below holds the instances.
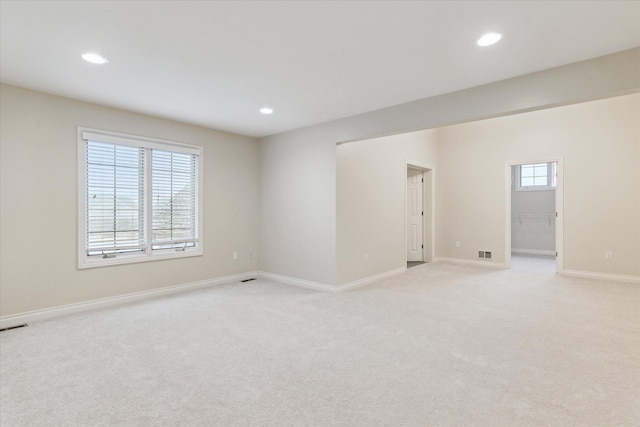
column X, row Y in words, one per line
column 266, row 110
column 94, row 58
column 489, row 39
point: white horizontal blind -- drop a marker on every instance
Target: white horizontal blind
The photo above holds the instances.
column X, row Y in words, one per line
column 174, row 200
column 115, row 198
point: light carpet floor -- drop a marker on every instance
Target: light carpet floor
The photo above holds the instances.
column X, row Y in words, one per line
column 441, row 345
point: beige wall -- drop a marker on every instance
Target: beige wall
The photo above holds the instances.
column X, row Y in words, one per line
column 371, row 185
column 297, row 190
column 600, row 144
column 38, row 193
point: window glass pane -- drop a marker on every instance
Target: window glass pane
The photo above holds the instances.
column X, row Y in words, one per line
column 526, row 182
column 540, row 170
column 173, row 199
column 540, row 181
column 526, row 170
column 115, row 184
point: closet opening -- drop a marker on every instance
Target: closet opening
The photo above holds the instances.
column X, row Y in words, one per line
column 533, row 240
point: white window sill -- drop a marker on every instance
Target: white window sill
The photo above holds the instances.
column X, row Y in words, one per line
column 546, row 188
column 97, row 261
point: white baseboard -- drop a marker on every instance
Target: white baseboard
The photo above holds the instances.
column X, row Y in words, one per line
column 476, row 263
column 47, row 313
column 371, row 279
column 330, row 288
column 298, row 282
column 600, row 276
column 533, row 252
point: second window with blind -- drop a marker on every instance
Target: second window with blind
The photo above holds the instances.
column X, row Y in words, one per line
column 139, row 199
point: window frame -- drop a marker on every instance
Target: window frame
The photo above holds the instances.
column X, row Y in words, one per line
column 148, row 144
column 551, row 178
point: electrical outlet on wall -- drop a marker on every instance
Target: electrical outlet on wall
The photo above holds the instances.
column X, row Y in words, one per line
column 250, row 255
column 457, row 244
column 366, row 257
column 608, row 255
column 234, row 255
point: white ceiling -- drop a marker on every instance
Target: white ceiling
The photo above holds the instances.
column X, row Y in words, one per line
column 216, row 63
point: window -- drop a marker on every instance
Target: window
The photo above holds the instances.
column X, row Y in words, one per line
column 139, row 199
column 536, row 176
column 173, row 189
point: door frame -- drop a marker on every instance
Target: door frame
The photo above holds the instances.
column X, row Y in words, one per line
column 559, row 209
column 428, row 194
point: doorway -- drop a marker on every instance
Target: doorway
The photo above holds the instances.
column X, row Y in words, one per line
column 419, row 214
column 533, row 234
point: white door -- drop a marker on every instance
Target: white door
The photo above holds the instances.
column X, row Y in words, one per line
column 414, row 215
